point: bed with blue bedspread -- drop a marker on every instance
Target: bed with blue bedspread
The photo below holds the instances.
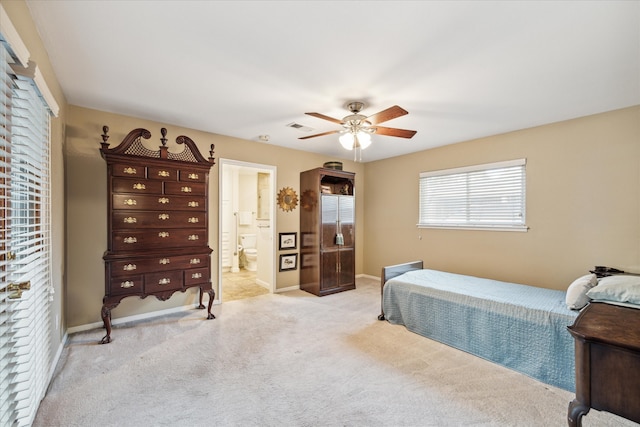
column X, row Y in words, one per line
column 521, row 327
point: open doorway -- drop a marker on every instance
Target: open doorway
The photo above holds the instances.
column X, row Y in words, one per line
column 246, row 251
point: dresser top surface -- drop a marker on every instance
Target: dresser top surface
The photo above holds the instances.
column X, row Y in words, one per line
column 609, row 324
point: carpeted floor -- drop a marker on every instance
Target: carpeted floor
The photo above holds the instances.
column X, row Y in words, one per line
column 290, row 359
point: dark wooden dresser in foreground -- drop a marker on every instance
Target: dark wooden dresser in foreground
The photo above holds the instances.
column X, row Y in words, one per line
column 157, row 221
column 607, row 342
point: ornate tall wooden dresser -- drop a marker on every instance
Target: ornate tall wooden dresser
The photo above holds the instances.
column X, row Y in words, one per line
column 157, row 221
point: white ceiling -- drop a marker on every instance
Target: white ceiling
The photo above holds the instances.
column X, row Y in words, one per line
column 462, row 69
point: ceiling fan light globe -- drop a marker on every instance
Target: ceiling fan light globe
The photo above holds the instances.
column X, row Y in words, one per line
column 346, row 140
column 364, row 139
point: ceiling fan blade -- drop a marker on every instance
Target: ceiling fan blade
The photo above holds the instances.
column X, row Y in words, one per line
column 402, row 133
column 319, row 134
column 322, row 116
column 388, row 114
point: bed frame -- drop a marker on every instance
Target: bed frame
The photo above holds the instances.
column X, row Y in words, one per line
column 392, row 271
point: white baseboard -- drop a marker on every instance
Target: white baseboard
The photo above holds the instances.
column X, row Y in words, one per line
column 56, row 359
column 367, row 276
column 290, row 288
column 293, row 288
column 263, row 284
column 143, row 316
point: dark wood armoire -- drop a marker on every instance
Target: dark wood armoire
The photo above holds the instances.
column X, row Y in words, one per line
column 327, row 231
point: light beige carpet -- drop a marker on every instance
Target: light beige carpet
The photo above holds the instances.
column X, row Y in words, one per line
column 290, row 359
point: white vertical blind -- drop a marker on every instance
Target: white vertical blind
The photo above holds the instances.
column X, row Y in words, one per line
column 25, row 346
column 488, row 196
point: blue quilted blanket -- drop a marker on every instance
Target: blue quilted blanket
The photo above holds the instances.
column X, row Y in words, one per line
column 521, row 327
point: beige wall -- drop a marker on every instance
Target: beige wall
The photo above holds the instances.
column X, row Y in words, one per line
column 87, row 208
column 583, row 204
column 21, row 20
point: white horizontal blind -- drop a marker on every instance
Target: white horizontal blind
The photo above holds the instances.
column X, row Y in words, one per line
column 6, row 322
column 489, row 196
column 26, row 345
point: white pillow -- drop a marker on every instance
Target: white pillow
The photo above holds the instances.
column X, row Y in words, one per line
column 577, row 297
column 618, row 288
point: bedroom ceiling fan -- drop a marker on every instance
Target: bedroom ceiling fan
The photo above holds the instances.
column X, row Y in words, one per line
column 357, row 128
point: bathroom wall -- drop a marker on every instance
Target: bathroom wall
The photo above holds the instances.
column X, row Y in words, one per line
column 247, row 200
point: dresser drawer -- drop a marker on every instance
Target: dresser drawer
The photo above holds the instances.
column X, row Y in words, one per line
column 129, row 284
column 140, row 186
column 163, row 281
column 196, row 276
column 162, row 173
column 184, row 188
column 120, row 169
column 160, row 203
column 160, row 219
column 192, row 176
column 159, row 263
column 156, row 238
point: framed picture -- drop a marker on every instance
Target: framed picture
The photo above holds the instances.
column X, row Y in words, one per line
column 288, row 241
column 288, row 262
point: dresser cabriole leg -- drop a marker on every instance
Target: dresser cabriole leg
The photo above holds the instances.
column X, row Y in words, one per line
column 106, row 319
column 200, row 305
column 212, row 295
column 576, row 411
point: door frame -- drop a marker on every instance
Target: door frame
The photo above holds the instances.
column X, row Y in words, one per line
column 273, row 171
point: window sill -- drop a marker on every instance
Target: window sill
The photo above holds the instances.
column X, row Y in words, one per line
column 518, row 228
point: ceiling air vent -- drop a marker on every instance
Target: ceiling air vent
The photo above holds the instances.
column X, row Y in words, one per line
column 300, row 127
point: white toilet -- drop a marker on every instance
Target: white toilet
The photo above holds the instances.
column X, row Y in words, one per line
column 248, row 242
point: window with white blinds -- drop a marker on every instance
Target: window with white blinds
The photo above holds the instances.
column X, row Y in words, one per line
column 25, row 271
column 489, row 196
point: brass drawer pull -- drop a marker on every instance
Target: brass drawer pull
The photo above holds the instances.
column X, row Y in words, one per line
column 164, row 261
column 193, row 237
column 193, row 204
column 130, row 202
column 163, row 216
column 193, row 176
column 193, row 261
column 164, row 281
column 193, row 220
column 196, row 275
column 186, row 189
column 127, row 284
column 139, row 186
column 163, row 234
column 130, row 171
column 130, row 220
column 163, row 200
column 164, row 174
column 130, row 240
column 129, row 267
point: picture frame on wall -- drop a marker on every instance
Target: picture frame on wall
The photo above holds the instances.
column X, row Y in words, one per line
column 288, row 241
column 288, row 262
